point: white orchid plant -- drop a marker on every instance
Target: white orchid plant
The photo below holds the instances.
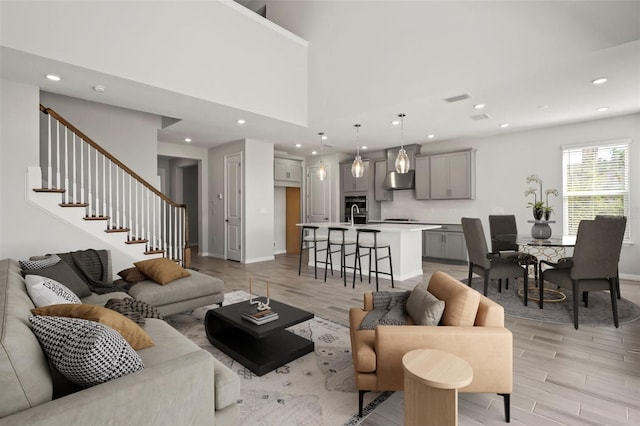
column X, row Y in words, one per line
column 539, row 205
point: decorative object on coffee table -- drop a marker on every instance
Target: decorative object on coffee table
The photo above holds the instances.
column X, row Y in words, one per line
column 262, row 306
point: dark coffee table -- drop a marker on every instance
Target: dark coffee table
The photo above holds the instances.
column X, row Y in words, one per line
column 260, row 348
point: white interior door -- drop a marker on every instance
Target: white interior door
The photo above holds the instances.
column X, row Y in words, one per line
column 233, row 206
column 318, row 197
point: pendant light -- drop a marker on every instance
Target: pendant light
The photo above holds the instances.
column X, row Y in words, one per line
column 357, row 168
column 322, row 169
column 402, row 160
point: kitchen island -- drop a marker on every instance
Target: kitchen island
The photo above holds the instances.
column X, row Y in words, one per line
column 405, row 240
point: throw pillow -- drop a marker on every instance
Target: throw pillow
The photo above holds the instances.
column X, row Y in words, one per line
column 132, row 275
column 162, row 270
column 45, row 291
column 423, row 307
column 388, row 309
column 135, row 310
column 133, row 334
column 63, row 273
column 85, row 352
column 30, row 265
column 396, row 312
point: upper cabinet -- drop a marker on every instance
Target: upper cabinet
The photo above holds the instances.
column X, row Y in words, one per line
column 381, row 194
column 452, row 175
column 287, row 172
column 351, row 184
column 422, row 178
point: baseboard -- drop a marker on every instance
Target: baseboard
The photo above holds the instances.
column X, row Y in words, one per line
column 276, row 252
column 630, row 277
column 259, row 259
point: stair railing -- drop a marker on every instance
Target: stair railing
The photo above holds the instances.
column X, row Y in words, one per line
column 89, row 176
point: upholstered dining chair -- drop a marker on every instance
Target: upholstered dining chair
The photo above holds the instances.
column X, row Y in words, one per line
column 593, row 266
column 624, row 219
column 505, row 224
column 487, row 264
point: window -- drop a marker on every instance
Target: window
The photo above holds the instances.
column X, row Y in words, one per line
column 595, row 181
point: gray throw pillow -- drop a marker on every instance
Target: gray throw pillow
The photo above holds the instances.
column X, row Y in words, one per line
column 423, row 307
column 63, row 273
column 396, row 312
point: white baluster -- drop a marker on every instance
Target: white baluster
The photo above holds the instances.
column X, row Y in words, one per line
column 89, row 188
column 111, row 193
column 82, row 190
column 57, row 154
column 66, row 195
column 104, row 186
column 96, row 184
column 75, row 197
column 49, row 152
column 130, row 223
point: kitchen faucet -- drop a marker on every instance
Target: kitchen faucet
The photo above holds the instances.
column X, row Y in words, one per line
column 357, row 211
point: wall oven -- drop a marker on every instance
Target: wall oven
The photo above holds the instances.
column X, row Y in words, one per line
column 359, row 214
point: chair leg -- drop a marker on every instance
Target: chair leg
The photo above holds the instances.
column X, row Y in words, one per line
column 499, row 285
column 614, row 303
column 360, row 401
column 326, row 260
column 470, row 273
column 486, row 282
column 525, row 287
column 585, row 298
column 507, row 406
column 391, row 267
column 575, row 304
column 618, row 285
column 375, row 252
column 541, row 288
column 301, row 250
column 356, row 258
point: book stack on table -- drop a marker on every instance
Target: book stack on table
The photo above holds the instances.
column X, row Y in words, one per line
column 260, row 317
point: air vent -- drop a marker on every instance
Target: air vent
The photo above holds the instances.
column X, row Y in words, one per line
column 458, row 98
column 479, row 117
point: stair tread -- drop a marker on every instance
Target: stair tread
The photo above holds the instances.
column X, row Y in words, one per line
column 110, row 230
column 136, row 242
column 154, row 252
column 73, row 204
column 56, row 190
column 96, row 218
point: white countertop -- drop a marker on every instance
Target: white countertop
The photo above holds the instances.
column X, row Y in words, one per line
column 383, row 227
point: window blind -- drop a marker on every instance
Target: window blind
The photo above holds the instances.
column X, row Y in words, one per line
column 595, row 182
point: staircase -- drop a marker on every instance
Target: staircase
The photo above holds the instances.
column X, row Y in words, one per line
column 84, row 185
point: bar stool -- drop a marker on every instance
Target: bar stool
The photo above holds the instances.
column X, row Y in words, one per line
column 312, row 243
column 342, row 241
column 371, row 245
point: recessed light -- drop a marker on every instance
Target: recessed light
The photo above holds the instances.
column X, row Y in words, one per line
column 503, row 125
column 363, row 147
column 314, row 152
column 187, row 140
column 601, row 109
column 324, row 137
column 600, row 80
column 431, row 136
column 240, row 121
column 53, row 77
column 395, row 122
column 479, row 106
column 298, row 145
column 543, row 106
column 98, row 88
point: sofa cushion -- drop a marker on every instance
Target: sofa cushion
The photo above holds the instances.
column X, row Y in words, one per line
column 195, row 286
column 423, row 307
column 162, row 270
column 132, row 275
column 461, row 301
column 46, row 261
column 64, row 274
column 133, row 334
column 46, row 291
column 85, row 352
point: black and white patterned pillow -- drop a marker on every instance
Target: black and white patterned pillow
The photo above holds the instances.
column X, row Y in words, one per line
column 85, row 352
column 45, row 291
column 31, row 265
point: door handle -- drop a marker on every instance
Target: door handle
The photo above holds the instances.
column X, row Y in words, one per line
column 226, row 220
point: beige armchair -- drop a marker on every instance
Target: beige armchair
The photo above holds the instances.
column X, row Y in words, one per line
column 472, row 327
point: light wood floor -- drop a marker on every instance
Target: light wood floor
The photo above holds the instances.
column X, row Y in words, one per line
column 562, row 376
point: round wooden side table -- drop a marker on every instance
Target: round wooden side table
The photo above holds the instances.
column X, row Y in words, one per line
column 431, row 382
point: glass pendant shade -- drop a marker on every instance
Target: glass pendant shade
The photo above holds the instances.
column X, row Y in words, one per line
column 322, row 171
column 402, row 162
column 357, row 167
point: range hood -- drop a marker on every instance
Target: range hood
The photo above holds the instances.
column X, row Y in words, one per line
column 395, row 180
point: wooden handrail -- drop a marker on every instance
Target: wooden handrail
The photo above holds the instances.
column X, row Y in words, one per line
column 104, row 152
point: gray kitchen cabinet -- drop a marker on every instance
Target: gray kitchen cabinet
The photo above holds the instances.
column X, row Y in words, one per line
column 287, row 172
column 446, row 242
column 381, row 194
column 422, row 178
column 351, row 184
column 452, row 175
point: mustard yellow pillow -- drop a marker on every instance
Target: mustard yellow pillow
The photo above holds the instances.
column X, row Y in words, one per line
column 162, row 270
column 132, row 333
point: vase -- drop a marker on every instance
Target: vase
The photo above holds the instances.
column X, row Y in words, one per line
column 541, row 230
column 547, row 215
column 537, row 213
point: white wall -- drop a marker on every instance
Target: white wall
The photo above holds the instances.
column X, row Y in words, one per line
column 28, row 230
column 504, row 162
column 158, row 43
column 258, row 201
column 280, row 219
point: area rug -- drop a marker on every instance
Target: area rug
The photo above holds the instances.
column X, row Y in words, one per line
column 598, row 313
column 316, row 389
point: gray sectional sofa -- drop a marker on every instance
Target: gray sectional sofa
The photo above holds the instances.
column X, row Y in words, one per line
column 180, row 384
